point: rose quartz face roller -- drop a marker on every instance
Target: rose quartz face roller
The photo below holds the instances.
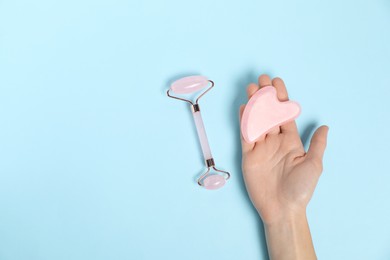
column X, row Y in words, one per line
column 191, row 84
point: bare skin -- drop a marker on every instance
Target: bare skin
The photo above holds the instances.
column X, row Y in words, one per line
column 280, row 178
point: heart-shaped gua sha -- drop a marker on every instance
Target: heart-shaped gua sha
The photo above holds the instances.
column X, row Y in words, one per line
column 264, row 111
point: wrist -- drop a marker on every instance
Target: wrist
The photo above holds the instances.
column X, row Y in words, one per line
column 286, row 217
column 288, row 236
column 275, row 213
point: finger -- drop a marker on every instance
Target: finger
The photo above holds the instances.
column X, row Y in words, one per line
column 318, row 145
column 281, row 90
column 264, row 80
column 251, row 90
column 282, row 94
column 246, row 147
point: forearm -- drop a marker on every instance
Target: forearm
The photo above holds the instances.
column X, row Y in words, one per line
column 289, row 238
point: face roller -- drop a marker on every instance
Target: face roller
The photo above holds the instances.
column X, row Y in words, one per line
column 189, row 85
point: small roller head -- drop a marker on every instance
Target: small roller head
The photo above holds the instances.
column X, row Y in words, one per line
column 214, row 181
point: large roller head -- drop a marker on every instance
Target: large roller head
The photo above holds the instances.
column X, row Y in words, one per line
column 189, row 84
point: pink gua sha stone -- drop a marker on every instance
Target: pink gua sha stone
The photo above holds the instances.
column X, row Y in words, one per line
column 264, row 111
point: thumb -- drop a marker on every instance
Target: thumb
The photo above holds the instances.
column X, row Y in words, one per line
column 318, row 144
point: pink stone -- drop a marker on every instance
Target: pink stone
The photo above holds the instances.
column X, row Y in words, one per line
column 264, row 111
column 213, row 182
column 189, row 84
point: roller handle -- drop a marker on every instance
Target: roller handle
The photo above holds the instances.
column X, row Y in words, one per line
column 204, row 143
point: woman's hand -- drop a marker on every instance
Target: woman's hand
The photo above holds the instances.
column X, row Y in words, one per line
column 279, row 175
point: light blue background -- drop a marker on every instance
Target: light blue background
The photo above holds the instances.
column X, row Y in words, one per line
column 97, row 163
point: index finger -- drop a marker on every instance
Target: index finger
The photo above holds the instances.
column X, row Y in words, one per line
column 278, row 83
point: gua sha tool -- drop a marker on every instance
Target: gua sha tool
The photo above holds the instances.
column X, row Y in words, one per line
column 189, row 85
column 264, row 111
